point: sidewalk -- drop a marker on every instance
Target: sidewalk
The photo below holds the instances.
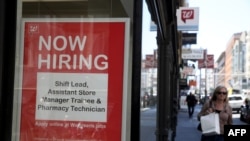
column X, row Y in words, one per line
column 186, row 127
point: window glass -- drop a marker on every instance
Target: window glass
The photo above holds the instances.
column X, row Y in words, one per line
column 71, row 70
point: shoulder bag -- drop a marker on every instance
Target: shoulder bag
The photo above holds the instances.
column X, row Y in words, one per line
column 210, row 124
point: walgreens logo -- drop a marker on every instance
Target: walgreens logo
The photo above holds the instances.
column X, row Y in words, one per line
column 187, row 14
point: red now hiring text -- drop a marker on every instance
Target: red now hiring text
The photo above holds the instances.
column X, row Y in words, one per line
column 70, row 56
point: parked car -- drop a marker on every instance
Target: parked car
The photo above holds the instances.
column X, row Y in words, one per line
column 236, row 101
column 245, row 114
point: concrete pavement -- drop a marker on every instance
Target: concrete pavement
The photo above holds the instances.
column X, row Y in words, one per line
column 186, row 127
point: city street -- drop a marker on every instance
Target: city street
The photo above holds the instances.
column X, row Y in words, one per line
column 186, row 127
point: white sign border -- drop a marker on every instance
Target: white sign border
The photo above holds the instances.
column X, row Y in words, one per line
column 126, row 112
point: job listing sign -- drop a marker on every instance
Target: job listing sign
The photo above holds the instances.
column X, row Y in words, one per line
column 73, row 85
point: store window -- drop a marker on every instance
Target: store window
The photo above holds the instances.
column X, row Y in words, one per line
column 72, row 70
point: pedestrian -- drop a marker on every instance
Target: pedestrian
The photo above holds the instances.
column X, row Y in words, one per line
column 247, row 103
column 219, row 104
column 191, row 102
column 145, row 100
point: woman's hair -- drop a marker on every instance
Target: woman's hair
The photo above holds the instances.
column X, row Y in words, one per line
column 216, row 90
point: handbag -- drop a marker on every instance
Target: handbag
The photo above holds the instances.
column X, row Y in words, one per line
column 199, row 127
column 210, row 124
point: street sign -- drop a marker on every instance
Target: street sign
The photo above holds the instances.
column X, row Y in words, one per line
column 208, row 62
column 188, row 53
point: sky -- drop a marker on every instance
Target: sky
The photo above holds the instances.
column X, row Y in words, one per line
column 218, row 21
column 148, row 37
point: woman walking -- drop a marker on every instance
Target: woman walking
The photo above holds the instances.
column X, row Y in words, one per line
column 219, row 104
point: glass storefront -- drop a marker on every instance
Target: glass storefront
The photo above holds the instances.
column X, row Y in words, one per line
column 72, row 70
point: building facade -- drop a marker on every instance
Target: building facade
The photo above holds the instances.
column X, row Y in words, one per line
column 220, row 70
column 228, row 60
